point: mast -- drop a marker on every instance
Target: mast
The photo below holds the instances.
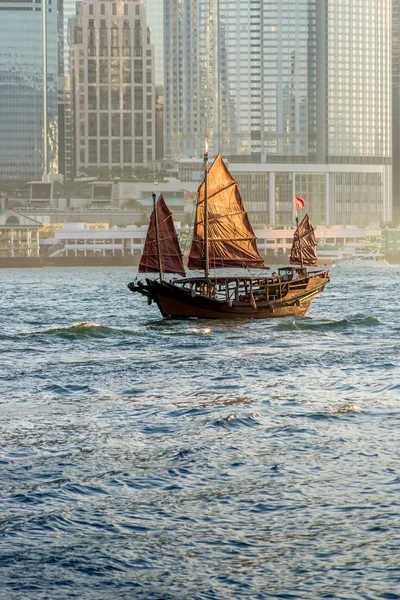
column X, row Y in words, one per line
column 206, row 255
column 157, row 236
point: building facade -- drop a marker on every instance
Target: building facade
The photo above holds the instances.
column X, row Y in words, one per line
column 396, row 108
column 155, row 20
column 19, row 235
column 68, row 12
column 113, row 87
column 28, row 89
column 268, row 90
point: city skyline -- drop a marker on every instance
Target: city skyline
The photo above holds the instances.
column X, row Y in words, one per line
column 279, row 88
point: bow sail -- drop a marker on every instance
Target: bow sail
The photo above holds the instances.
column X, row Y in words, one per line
column 231, row 240
column 304, row 248
column 170, row 252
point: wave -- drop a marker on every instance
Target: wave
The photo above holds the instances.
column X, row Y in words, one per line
column 83, row 330
column 308, row 324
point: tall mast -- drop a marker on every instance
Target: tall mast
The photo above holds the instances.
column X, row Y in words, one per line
column 206, row 257
column 157, row 236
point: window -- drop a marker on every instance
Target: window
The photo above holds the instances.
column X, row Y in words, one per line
column 138, row 98
column 91, row 71
column 115, row 101
column 92, row 98
column 92, row 129
column 115, row 77
column 115, row 149
column 127, row 98
column 127, row 125
column 126, row 71
column 104, row 124
column 138, row 125
column 104, row 151
column 115, row 125
column 103, row 98
column 139, row 151
column 92, row 151
column 127, row 149
column 103, row 71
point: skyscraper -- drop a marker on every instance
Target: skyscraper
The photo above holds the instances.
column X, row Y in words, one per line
column 113, row 87
column 68, row 11
column 28, row 89
column 396, row 109
column 155, row 20
column 301, row 84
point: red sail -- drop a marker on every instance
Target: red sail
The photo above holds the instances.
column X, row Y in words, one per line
column 304, row 248
column 231, row 239
column 171, row 255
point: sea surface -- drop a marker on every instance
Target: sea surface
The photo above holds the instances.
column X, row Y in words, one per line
column 142, row 458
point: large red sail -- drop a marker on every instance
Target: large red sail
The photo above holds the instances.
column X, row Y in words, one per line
column 231, row 239
column 304, row 248
column 171, row 255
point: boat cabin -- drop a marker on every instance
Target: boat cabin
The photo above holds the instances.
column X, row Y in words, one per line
column 287, row 273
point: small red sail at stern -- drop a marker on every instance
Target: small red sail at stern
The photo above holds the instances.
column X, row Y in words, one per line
column 170, row 252
column 304, row 248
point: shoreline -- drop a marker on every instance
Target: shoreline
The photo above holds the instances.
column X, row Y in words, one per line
column 88, row 261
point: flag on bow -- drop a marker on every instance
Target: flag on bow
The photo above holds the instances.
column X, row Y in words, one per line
column 299, row 202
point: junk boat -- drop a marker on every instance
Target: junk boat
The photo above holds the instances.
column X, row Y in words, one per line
column 223, row 239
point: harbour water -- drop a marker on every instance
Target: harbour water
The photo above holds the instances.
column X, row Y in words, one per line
column 151, row 459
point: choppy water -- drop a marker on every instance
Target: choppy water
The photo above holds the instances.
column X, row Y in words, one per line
column 152, row 459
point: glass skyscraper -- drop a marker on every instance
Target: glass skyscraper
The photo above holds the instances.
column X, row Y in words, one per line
column 23, row 90
column 302, row 84
column 68, row 11
column 396, row 109
column 155, row 20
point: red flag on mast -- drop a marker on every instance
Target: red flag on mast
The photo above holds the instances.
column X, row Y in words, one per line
column 299, row 202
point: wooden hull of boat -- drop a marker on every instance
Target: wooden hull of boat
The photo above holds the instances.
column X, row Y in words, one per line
column 175, row 302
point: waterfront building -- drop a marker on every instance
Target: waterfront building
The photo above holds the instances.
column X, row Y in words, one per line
column 81, row 239
column 28, row 89
column 19, row 235
column 113, row 87
column 313, row 110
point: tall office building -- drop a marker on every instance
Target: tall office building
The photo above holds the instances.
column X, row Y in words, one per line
column 396, row 109
column 155, row 20
column 113, row 86
column 299, row 88
column 28, row 89
column 68, row 12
